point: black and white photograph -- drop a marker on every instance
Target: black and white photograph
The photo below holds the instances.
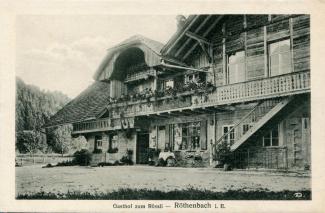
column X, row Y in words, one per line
column 196, row 109
column 219, row 110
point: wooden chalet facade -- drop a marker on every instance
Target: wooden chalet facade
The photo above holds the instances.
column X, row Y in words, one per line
column 241, row 80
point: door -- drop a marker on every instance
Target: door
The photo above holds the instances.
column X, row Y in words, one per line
column 306, row 140
column 161, row 137
column 142, row 148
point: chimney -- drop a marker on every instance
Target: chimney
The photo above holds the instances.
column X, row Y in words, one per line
column 180, row 21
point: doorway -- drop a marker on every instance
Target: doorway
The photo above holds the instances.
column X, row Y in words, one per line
column 142, row 147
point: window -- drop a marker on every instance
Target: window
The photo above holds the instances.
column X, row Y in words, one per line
column 113, row 144
column 230, row 138
column 98, row 142
column 191, row 136
column 236, row 67
column 169, row 84
column 279, row 57
column 246, row 127
column 271, row 138
column 195, row 78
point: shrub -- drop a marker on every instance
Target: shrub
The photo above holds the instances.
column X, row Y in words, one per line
column 97, row 151
column 102, row 164
column 126, row 160
column 113, row 150
column 66, row 163
column 82, row 157
column 161, row 162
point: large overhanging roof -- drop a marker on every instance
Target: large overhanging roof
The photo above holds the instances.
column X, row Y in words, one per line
column 150, row 48
column 182, row 44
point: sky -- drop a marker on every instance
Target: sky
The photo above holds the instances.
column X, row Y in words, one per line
column 62, row 52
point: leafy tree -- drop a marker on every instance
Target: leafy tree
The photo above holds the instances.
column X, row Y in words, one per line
column 31, row 141
column 34, row 108
column 62, row 138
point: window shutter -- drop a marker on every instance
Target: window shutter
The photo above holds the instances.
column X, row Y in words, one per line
column 203, row 136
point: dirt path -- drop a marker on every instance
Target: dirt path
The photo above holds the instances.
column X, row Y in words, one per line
column 104, row 179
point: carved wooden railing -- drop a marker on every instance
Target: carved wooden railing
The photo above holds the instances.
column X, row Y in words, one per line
column 276, row 86
column 245, row 124
column 100, row 124
column 139, row 75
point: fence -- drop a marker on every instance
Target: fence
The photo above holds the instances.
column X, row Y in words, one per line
column 268, row 158
column 26, row 159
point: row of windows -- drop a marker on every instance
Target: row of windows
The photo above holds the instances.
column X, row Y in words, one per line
column 279, row 62
column 271, row 138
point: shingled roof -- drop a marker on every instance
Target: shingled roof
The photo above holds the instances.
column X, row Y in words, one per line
column 85, row 106
column 149, row 46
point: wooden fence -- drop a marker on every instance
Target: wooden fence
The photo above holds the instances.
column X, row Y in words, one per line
column 26, row 159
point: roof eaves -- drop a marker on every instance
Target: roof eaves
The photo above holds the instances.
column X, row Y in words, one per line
column 179, row 33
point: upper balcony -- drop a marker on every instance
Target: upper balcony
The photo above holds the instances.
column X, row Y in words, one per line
column 188, row 101
column 276, row 86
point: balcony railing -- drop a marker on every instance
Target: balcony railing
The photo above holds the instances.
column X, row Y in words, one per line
column 100, row 125
column 139, row 75
column 277, row 86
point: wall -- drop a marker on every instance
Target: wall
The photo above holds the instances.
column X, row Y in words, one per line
column 294, row 147
column 123, row 144
column 184, row 158
column 253, row 33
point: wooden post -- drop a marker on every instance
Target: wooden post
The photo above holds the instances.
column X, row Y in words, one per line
column 266, row 73
column 224, row 60
column 286, row 158
column 248, row 158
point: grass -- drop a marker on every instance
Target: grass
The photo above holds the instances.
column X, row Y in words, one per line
column 187, row 194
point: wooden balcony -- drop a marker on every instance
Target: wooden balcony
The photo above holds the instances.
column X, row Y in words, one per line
column 139, row 75
column 92, row 126
column 277, row 86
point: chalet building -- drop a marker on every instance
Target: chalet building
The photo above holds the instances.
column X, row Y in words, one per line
column 238, row 80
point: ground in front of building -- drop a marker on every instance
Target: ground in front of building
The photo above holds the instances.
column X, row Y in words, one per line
column 34, row 179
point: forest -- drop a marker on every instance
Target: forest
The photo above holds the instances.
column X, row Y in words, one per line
column 34, row 107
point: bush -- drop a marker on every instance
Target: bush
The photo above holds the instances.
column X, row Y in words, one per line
column 97, row 151
column 66, row 163
column 161, row 162
column 113, row 150
column 82, row 157
column 126, row 160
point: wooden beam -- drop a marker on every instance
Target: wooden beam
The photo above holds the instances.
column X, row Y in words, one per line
column 198, row 38
column 207, row 52
column 195, row 31
column 180, row 36
column 184, row 68
column 204, row 34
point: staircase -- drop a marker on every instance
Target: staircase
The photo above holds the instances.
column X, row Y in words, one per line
column 253, row 121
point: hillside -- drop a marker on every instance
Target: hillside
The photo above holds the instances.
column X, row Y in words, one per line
column 33, row 108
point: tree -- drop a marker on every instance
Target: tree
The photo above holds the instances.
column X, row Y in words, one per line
column 33, row 108
column 78, row 144
column 62, row 138
column 30, row 141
